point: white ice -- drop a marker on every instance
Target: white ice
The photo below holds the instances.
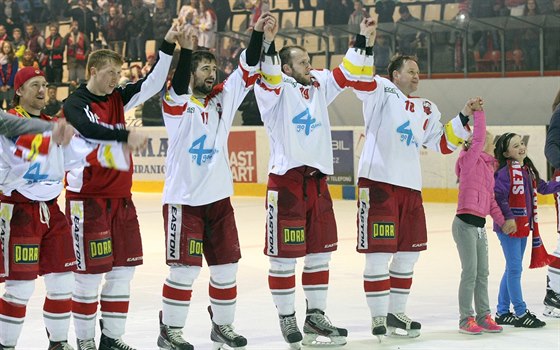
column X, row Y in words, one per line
column 433, row 300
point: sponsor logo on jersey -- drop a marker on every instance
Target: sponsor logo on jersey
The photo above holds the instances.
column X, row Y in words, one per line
column 26, row 253
column 272, row 223
column 406, row 134
column 363, row 209
column 195, row 247
column 383, row 230
column 77, row 217
column 290, row 81
column 190, row 110
column 427, row 107
column 174, row 232
column 5, row 218
column 391, row 90
column 199, row 153
column 100, row 248
column 293, row 235
column 305, row 122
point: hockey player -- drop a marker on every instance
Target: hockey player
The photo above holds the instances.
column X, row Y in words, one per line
column 198, row 216
column 391, row 221
column 99, row 201
column 293, row 99
column 35, row 235
column 552, row 153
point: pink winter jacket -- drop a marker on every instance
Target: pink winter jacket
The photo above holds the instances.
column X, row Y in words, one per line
column 475, row 170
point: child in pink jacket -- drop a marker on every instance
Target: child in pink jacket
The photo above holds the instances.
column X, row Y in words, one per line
column 475, row 170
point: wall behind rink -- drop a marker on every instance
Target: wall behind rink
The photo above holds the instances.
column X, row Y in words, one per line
column 249, row 151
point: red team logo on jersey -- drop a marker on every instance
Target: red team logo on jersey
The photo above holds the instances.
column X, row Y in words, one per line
column 427, row 107
column 304, row 92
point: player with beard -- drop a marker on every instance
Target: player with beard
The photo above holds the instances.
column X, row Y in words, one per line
column 293, row 99
column 36, row 238
column 198, row 216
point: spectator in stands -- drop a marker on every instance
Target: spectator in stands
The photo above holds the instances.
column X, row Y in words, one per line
column 160, row 21
column 77, row 51
column 138, row 23
column 53, row 105
column 19, row 44
column 3, row 34
column 34, row 41
column 151, row 112
column 515, row 7
column 29, row 60
column 114, row 30
column 78, row 11
column 10, row 15
column 306, row 4
column 552, row 40
column 337, row 12
column 189, row 11
column 54, row 55
column 24, row 7
column 382, row 52
column 357, row 16
column 408, row 39
column 530, row 38
column 207, row 25
column 385, row 10
column 8, row 70
column 223, row 13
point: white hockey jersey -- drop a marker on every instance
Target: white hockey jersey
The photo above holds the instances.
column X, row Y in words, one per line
column 34, row 165
column 397, row 126
column 197, row 166
column 296, row 117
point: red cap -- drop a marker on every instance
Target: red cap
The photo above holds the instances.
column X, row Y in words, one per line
column 25, row 74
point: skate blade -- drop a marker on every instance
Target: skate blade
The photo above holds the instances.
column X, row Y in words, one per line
column 380, row 337
column 316, row 340
column 295, row 346
column 403, row 333
column 550, row 311
column 223, row 346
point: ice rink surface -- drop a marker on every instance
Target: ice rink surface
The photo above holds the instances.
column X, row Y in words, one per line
column 433, row 300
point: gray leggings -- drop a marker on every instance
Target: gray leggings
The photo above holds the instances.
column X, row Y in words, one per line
column 472, row 245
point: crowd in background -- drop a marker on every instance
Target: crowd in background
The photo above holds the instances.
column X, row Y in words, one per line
column 30, row 33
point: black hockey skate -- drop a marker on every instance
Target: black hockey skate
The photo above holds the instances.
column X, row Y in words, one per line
column 400, row 325
column 106, row 343
column 379, row 326
column 59, row 345
column 551, row 304
column 318, row 325
column 290, row 331
column 225, row 335
column 171, row 338
column 86, row 344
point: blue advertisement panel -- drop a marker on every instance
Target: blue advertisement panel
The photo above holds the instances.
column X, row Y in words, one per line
column 343, row 157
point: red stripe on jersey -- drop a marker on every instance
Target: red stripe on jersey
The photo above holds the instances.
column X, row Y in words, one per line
column 340, row 79
column 315, row 278
column 401, row 283
column 91, row 158
column 173, row 110
column 358, row 85
column 84, row 308
column 57, row 306
column 176, row 294
column 114, row 306
column 11, row 309
column 282, row 282
column 215, row 91
column 443, row 145
column 377, row 286
column 26, row 141
column 266, row 88
column 222, row 294
column 248, row 79
column 425, row 124
column 555, row 263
